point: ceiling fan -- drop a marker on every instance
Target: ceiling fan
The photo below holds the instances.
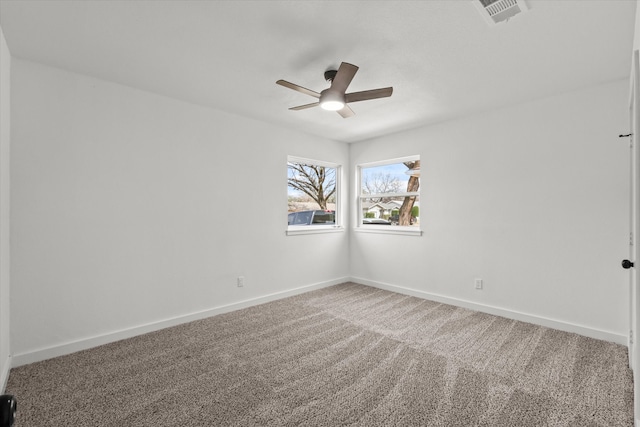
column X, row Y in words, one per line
column 334, row 98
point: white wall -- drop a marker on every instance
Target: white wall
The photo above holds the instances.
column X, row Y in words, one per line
column 5, row 134
column 129, row 208
column 533, row 199
column 636, row 39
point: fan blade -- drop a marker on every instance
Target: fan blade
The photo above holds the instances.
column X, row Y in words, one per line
column 343, row 77
column 298, row 88
column 304, row 107
column 368, row 94
column 346, row 112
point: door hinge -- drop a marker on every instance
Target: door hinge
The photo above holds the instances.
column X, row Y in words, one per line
column 630, row 337
column 631, row 239
column 628, row 135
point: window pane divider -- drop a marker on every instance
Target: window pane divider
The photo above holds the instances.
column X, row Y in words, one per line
column 389, row 195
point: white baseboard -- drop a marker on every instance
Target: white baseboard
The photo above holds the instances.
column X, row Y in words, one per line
column 86, row 343
column 509, row 314
column 4, row 374
column 90, row 342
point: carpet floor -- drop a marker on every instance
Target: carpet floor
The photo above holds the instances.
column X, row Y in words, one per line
column 347, row 355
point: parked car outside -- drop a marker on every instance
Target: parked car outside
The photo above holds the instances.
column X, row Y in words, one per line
column 375, row 221
column 395, row 219
column 314, row 217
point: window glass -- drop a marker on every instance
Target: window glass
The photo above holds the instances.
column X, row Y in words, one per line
column 312, row 193
column 389, row 193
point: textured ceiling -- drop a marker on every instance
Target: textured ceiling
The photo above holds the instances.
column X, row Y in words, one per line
column 441, row 57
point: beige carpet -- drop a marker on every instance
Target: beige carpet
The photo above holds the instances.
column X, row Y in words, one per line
column 344, row 355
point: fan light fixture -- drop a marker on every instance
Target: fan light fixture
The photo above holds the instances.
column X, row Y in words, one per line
column 335, row 97
column 332, row 105
column 331, row 100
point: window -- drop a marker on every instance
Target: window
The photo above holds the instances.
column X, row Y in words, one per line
column 389, row 197
column 312, row 196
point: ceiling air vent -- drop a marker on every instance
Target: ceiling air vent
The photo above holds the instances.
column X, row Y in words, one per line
column 495, row 11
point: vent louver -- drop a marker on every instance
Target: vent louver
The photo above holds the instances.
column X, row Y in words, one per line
column 495, row 11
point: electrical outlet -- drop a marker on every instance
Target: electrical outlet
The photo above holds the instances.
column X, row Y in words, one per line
column 240, row 281
column 478, row 283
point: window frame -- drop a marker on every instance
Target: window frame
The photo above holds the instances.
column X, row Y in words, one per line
column 360, row 197
column 295, row 230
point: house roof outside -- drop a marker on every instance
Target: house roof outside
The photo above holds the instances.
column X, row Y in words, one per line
column 387, row 206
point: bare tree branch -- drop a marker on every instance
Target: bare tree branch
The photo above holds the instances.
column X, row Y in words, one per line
column 317, row 182
column 378, row 183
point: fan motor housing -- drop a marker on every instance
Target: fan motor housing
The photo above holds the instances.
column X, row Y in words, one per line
column 330, row 74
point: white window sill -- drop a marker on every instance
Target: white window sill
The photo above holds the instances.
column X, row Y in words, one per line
column 311, row 229
column 388, row 229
